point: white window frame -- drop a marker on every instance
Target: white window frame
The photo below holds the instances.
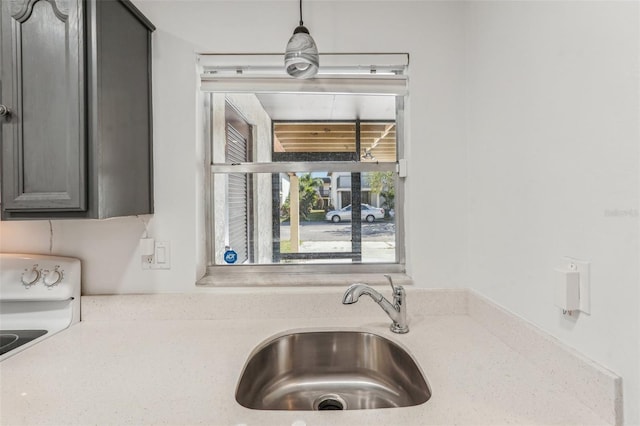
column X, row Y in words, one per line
column 380, row 74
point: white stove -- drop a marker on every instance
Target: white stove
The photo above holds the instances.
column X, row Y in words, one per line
column 39, row 297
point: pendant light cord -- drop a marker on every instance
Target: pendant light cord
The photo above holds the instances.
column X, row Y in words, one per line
column 301, row 13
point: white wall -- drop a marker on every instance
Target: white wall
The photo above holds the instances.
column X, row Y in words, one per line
column 553, row 152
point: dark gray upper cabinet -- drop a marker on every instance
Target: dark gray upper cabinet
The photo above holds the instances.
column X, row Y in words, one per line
column 77, row 137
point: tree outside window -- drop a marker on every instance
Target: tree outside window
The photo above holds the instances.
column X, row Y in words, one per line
column 383, row 183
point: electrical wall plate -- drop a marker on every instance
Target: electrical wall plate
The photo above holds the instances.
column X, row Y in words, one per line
column 161, row 258
column 584, row 269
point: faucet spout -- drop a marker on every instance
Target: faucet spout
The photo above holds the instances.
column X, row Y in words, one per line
column 356, row 290
column 396, row 310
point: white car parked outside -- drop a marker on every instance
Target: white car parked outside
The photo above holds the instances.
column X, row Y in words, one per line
column 368, row 213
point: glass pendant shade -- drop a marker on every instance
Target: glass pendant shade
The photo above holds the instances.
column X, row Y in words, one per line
column 301, row 58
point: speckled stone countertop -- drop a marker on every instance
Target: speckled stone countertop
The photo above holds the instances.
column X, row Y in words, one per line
column 174, row 363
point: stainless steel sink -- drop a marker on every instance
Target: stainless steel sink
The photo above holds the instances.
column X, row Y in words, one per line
column 330, row 370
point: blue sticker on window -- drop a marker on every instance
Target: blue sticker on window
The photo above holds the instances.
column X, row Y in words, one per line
column 230, row 256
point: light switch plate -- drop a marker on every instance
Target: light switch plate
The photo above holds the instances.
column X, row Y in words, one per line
column 162, row 257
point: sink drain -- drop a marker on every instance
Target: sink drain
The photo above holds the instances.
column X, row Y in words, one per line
column 329, row 402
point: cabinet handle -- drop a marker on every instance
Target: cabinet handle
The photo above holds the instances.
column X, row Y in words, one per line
column 4, row 111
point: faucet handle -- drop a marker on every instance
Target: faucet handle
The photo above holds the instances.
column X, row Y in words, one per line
column 393, row 287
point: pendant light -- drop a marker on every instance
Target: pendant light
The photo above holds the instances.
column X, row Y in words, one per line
column 301, row 57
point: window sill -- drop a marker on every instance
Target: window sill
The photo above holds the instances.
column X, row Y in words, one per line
column 289, row 279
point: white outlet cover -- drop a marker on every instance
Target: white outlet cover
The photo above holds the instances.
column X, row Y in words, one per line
column 584, row 268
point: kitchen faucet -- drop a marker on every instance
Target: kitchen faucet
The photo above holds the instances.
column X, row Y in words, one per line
column 396, row 311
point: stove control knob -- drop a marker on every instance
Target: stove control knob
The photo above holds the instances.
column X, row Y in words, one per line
column 30, row 277
column 54, row 277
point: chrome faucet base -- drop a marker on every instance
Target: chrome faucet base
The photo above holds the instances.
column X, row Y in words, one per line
column 397, row 328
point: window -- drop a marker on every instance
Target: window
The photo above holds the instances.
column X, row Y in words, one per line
column 303, row 178
column 334, row 219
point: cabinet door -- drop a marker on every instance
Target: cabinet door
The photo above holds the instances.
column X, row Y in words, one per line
column 43, row 144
